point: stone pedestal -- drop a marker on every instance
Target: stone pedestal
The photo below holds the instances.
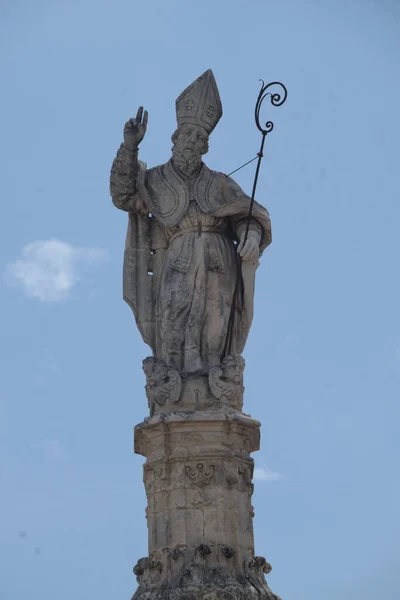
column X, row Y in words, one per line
column 198, row 479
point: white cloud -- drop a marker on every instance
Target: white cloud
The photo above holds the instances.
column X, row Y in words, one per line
column 266, row 474
column 49, row 269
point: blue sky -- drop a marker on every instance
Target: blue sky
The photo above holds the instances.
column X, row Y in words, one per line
column 323, row 358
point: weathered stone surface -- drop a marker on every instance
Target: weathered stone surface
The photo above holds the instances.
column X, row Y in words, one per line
column 198, row 480
column 163, row 387
column 221, row 390
column 198, row 581
column 226, row 382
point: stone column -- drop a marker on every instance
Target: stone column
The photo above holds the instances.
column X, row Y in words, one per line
column 198, row 479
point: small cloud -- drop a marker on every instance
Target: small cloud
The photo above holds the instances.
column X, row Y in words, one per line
column 266, row 474
column 49, row 269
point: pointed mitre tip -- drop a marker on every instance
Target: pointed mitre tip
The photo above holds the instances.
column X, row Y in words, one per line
column 209, row 73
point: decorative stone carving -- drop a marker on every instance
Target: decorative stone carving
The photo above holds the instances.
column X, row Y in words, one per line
column 247, row 474
column 177, row 553
column 147, row 571
column 226, row 381
column 255, row 568
column 156, row 565
column 198, row 582
column 141, row 565
column 158, row 472
column 232, row 477
column 200, row 474
column 227, row 551
column 199, row 498
column 163, row 384
column 203, row 550
column 232, row 480
column 267, row 568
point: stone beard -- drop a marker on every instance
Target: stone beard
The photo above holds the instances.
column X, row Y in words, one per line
column 186, row 161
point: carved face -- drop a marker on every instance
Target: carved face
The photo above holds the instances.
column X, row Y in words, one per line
column 190, row 141
column 155, row 371
column 233, row 370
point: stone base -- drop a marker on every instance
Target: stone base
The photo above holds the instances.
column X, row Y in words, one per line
column 198, row 480
column 199, row 582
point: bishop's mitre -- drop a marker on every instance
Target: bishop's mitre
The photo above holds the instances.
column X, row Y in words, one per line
column 200, row 104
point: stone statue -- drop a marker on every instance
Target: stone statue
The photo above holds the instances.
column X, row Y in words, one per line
column 188, row 273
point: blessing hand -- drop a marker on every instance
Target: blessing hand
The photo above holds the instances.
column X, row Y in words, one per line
column 251, row 249
column 135, row 129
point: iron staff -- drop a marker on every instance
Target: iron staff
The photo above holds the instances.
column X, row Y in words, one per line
column 276, row 100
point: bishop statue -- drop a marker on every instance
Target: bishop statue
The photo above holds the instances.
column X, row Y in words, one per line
column 189, row 268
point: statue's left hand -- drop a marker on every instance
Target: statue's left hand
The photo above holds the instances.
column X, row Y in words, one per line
column 251, row 249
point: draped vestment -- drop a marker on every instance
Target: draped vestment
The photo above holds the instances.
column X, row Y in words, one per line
column 181, row 262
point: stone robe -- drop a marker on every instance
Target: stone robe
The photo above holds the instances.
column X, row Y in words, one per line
column 182, row 276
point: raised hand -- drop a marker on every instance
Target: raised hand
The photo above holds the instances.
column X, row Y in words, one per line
column 135, row 129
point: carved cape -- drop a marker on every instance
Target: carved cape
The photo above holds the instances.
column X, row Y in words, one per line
column 165, row 194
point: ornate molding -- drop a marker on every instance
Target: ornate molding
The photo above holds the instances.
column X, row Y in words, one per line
column 200, row 474
column 213, row 583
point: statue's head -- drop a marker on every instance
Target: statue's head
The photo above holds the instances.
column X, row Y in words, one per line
column 198, row 110
column 233, row 367
column 155, row 370
column 190, row 142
